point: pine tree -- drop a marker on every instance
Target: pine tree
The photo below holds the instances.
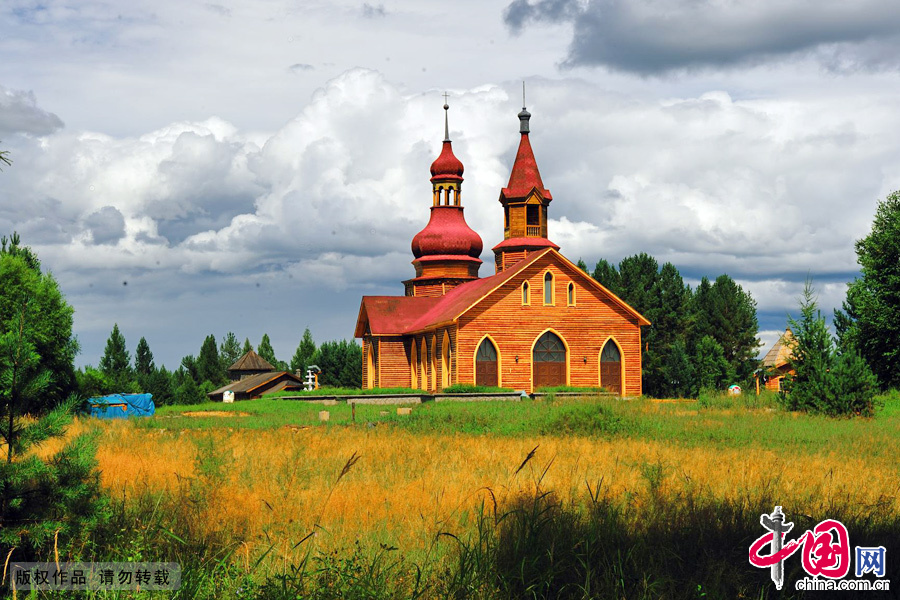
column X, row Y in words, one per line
column 209, row 366
column 230, row 350
column 189, row 367
column 189, row 392
column 48, row 320
column 116, row 361
column 678, row 372
column 711, row 370
column 606, row 275
column 870, row 321
column 92, row 383
column 159, row 384
column 247, row 347
column 725, row 312
column 266, row 352
column 303, row 356
column 143, row 358
column 49, row 502
column 822, row 380
column 350, row 374
column 328, row 359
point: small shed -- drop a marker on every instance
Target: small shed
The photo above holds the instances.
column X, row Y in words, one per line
column 254, row 386
column 121, row 406
column 777, row 362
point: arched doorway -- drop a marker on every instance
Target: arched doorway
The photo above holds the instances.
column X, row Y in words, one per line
column 486, row 364
column 611, row 368
column 370, row 365
column 549, row 361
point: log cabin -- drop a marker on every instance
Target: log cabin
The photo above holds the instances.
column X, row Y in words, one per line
column 538, row 322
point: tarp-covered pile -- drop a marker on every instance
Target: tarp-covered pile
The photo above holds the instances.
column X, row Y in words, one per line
column 122, row 406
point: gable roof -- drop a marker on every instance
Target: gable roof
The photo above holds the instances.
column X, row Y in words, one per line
column 398, row 315
column 253, row 382
column 251, row 362
column 780, row 354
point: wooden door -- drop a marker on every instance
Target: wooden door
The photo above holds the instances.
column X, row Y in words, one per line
column 611, row 368
column 486, row 367
column 549, row 361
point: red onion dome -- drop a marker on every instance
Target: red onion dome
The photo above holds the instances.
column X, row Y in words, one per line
column 447, row 166
column 447, row 234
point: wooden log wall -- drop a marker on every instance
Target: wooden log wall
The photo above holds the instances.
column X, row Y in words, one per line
column 584, row 328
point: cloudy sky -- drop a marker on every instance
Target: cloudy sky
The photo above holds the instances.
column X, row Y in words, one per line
column 187, row 168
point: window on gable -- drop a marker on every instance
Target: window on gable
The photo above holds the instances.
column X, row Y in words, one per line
column 548, row 288
column 570, row 294
column 525, row 299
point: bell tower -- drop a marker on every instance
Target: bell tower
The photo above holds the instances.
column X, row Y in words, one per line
column 525, row 201
column 447, row 250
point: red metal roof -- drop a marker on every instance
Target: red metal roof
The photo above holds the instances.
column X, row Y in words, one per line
column 400, row 315
column 447, row 234
column 447, row 166
column 525, row 176
column 391, row 315
column 531, row 243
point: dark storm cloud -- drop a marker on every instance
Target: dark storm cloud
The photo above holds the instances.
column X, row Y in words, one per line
column 107, row 225
column 668, row 35
column 19, row 113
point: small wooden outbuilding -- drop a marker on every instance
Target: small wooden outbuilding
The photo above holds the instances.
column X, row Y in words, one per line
column 255, row 386
column 777, row 362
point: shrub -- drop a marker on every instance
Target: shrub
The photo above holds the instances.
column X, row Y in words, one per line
column 823, row 381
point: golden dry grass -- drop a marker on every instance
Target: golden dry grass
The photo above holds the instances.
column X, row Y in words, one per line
column 406, row 488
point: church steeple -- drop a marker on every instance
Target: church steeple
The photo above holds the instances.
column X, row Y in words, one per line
column 447, row 250
column 525, row 201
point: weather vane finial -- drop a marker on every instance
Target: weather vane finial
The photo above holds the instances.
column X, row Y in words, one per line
column 446, row 123
column 523, row 95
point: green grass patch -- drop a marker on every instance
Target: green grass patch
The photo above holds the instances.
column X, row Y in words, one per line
column 338, row 391
column 570, row 388
column 465, row 388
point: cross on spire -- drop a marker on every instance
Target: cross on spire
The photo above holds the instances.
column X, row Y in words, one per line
column 446, row 95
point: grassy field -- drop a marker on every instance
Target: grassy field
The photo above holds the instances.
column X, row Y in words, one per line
column 575, row 498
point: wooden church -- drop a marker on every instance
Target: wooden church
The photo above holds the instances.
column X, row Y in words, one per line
column 539, row 321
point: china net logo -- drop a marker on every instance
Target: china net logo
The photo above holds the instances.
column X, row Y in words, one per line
column 825, row 554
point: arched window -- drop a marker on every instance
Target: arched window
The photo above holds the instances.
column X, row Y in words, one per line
column 414, row 364
column 549, row 361
column 570, row 294
column 548, row 288
column 433, row 363
column 486, row 364
column 525, row 299
column 445, row 361
column 423, row 364
column 611, row 368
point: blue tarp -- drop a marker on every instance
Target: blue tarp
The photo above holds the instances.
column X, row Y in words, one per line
column 122, row 406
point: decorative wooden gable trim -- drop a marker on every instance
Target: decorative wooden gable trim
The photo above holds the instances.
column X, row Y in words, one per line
column 574, row 272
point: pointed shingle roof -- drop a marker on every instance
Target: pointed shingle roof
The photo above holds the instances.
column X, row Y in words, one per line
column 780, row 354
column 251, row 362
